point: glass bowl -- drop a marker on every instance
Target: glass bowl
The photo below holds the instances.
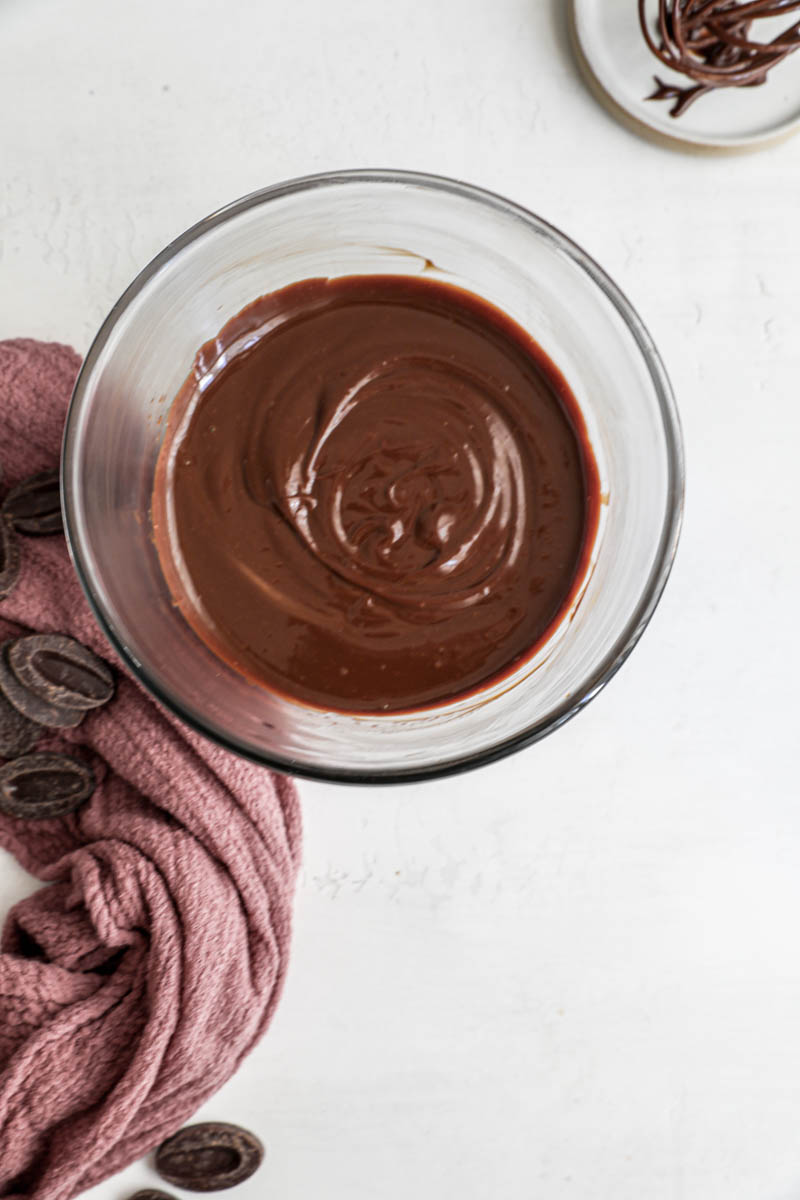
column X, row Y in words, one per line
column 358, row 222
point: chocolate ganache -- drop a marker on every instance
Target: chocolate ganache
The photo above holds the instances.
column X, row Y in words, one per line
column 375, row 493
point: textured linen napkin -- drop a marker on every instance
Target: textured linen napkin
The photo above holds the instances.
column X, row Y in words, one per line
column 134, row 984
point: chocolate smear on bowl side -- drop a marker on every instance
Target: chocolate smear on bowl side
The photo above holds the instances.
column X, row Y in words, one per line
column 61, row 671
column 41, row 786
column 209, row 1157
column 34, row 506
column 9, row 558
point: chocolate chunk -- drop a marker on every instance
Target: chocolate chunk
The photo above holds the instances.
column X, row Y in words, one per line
column 152, row 1194
column 9, row 557
column 43, row 712
column 209, row 1157
column 34, row 506
column 17, row 733
column 39, row 786
column 61, row 671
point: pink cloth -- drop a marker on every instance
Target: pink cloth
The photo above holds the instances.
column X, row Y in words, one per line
column 132, row 987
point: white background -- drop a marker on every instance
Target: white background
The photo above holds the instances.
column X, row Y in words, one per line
column 575, row 974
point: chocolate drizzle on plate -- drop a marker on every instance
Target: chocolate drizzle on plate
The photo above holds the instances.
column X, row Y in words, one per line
column 710, row 42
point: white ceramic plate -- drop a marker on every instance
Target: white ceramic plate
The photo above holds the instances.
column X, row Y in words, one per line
column 612, row 50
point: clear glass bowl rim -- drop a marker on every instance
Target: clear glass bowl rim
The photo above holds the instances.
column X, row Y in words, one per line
column 670, row 533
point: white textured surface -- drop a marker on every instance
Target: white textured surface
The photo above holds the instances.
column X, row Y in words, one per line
column 576, row 973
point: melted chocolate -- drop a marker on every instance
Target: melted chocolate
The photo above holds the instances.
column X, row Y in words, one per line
column 376, row 493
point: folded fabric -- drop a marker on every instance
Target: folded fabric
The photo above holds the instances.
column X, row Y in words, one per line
column 133, row 986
